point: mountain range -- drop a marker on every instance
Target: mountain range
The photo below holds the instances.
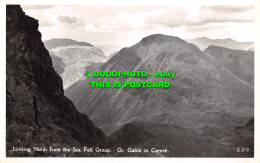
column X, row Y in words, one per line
column 212, row 93
column 204, row 42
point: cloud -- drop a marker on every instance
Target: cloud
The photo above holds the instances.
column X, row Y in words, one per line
column 136, row 20
column 46, row 23
column 67, row 19
column 98, row 28
column 194, row 16
column 128, row 24
column 172, row 17
column 231, row 9
column 37, row 7
column 72, row 21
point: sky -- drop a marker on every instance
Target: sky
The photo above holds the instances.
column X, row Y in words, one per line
column 127, row 25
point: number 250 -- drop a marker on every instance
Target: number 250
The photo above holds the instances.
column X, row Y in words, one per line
column 242, row 149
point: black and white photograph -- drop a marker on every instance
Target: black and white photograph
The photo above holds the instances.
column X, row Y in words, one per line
column 130, row 81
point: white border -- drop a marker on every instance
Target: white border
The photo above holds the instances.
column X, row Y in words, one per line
column 3, row 3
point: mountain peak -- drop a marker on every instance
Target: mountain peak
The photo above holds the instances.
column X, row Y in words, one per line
column 160, row 38
column 229, row 39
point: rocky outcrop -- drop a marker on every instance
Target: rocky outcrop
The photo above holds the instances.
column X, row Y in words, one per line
column 37, row 112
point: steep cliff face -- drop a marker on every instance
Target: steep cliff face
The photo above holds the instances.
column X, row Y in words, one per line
column 37, row 112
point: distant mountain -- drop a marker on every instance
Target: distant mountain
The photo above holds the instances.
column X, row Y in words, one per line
column 251, row 49
column 203, row 43
column 212, row 91
column 237, row 62
column 71, row 58
column 54, row 43
column 38, row 115
column 109, row 49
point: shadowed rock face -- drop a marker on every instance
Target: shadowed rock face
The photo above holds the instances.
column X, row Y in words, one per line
column 206, row 95
column 37, row 112
column 58, row 64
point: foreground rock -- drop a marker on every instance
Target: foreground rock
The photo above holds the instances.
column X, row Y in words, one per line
column 37, row 112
